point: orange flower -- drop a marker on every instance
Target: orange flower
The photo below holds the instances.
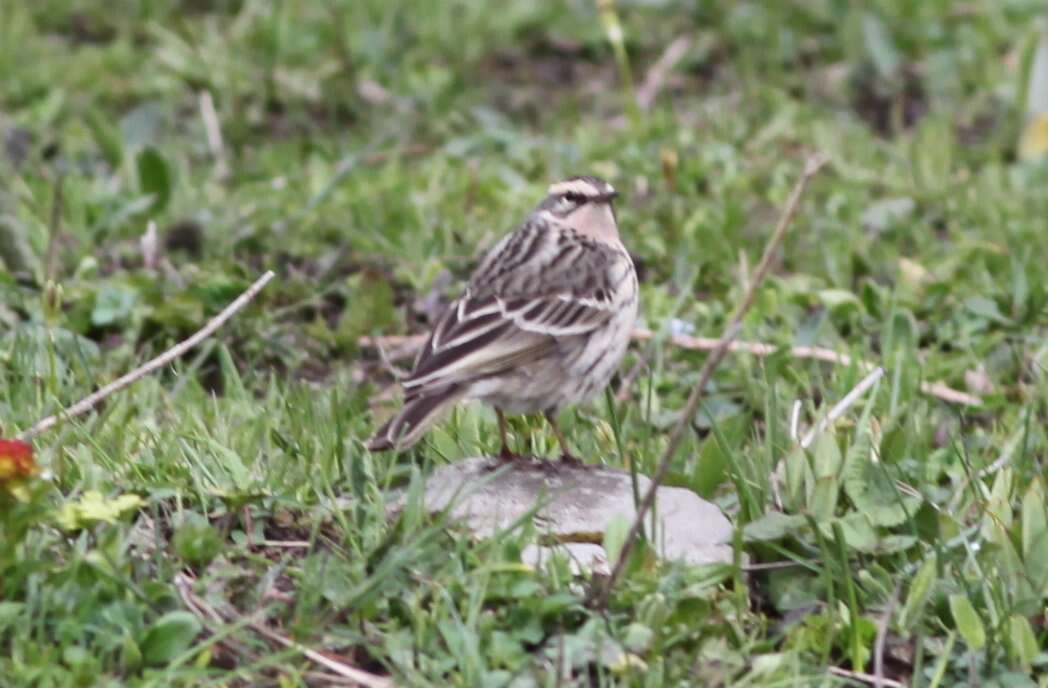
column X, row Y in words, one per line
column 16, row 460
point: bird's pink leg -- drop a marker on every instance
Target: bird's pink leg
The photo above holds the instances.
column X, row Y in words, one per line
column 565, row 450
column 505, row 454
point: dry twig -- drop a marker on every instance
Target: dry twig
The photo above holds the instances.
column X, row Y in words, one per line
column 656, row 76
column 403, row 345
column 829, row 419
column 55, row 228
column 90, row 401
column 414, row 150
column 882, row 636
column 841, row 406
column 627, row 381
column 285, row 544
column 364, row 678
column 865, row 678
column 210, row 616
column 213, row 130
column 811, row 168
column 933, row 389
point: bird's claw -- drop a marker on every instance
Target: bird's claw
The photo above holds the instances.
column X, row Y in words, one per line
column 570, row 459
column 505, row 455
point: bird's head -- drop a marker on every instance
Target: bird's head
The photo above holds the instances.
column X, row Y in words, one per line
column 584, row 203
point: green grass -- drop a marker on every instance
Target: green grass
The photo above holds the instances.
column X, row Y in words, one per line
column 371, row 150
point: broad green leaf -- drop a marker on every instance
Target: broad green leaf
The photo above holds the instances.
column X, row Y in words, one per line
column 141, row 126
column 827, row 456
column 113, row 304
column 824, row 498
column 968, row 623
column 880, row 46
column 920, row 591
column 414, row 511
column 1036, row 562
column 121, row 213
column 1034, row 518
column 638, row 637
column 867, row 483
column 987, row 308
column 838, row 298
column 16, row 254
column 169, row 636
column 933, row 149
column 773, row 526
column 107, row 138
column 997, row 519
column 1013, row 572
column 615, row 537
column 130, row 653
column 886, row 213
column 154, row 178
column 799, row 478
column 889, row 544
column 10, row 613
column 196, row 540
column 912, row 274
column 870, row 487
column 857, row 530
column 75, row 656
column 1037, row 78
column 767, row 665
column 710, row 469
column 1034, row 141
column 1024, row 643
column 369, row 307
column 93, row 508
column 653, row 610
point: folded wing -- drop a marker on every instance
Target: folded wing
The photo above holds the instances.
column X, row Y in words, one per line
column 539, row 284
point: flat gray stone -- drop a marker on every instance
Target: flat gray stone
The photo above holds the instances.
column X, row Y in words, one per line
column 575, row 505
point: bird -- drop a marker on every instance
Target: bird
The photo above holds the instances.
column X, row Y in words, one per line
column 542, row 325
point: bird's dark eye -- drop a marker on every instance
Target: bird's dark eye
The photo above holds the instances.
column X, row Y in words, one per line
column 574, row 197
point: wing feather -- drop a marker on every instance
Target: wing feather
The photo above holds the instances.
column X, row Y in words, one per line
column 541, row 283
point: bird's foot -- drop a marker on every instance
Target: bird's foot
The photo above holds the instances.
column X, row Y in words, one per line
column 506, row 455
column 570, row 460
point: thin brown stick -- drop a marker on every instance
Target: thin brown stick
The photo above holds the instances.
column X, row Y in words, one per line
column 775, row 565
column 932, row 389
column 213, row 131
column 208, row 615
column 387, row 363
column 811, row 168
column 402, row 345
column 341, row 668
column 324, row 679
column 90, row 401
column 865, row 678
column 203, row 610
column 55, row 228
column 657, row 75
column 289, row 544
column 882, row 637
column 414, row 150
column 406, row 346
column 627, row 381
column 840, row 407
column 829, row 419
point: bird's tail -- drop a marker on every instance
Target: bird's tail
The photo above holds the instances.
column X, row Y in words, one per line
column 419, row 413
